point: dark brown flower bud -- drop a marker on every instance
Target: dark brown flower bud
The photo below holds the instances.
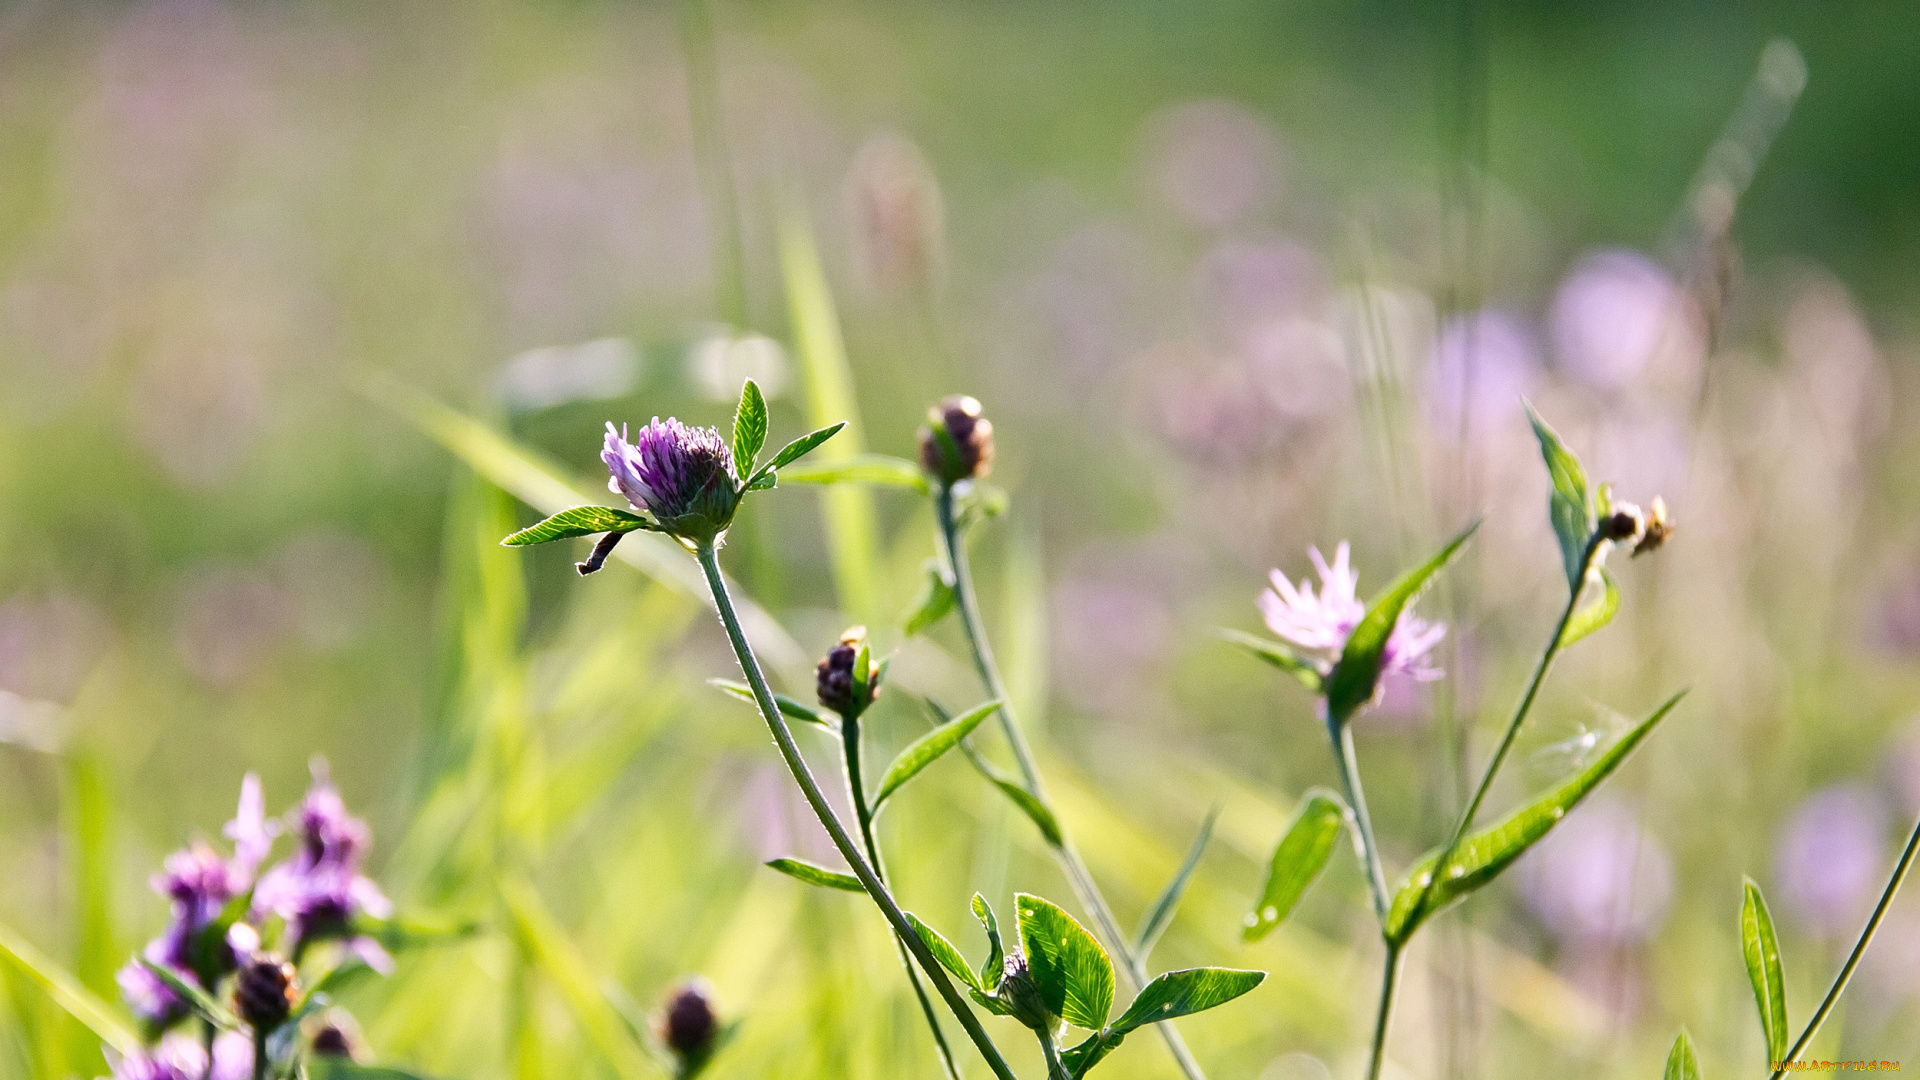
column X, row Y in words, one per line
column 1659, row 527
column 1624, row 524
column 689, row 1026
column 957, row 443
column 264, row 992
column 1022, row 995
column 833, row 678
column 338, row 1037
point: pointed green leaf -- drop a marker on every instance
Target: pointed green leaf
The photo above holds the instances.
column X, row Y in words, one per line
column 1181, row 993
column 202, row 1003
column 1353, row 680
column 943, row 951
column 1273, row 652
column 817, row 875
column 927, row 749
column 1161, row 913
column 579, row 521
column 991, row 967
column 1482, row 855
column 1070, row 968
column 790, row 708
column 874, row 469
column 764, row 480
column 66, row 991
column 1682, row 1064
column 1031, row 806
column 1297, row 859
column 935, row 601
column 1571, row 506
column 1762, row 951
column 749, row 428
column 1595, row 613
column 1080, row 1059
column 798, row 449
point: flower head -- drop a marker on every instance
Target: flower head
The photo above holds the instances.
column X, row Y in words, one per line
column 264, row 992
column 683, row 476
column 689, row 1026
column 320, row 890
column 1320, row 623
column 833, row 681
column 180, row 1056
column 957, row 443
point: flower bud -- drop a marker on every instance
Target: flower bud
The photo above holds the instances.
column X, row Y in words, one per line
column 683, row 476
column 263, row 992
column 338, row 1037
column 1623, row 524
column 957, row 443
column 689, row 1026
column 1659, row 526
column 1022, row 995
column 834, row 683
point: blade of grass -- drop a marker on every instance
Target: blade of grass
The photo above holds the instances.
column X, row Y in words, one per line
column 66, row 991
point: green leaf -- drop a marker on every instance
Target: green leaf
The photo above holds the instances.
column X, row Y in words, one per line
column 1597, row 612
column 67, row 991
column 873, row 469
column 927, row 749
column 1031, row 806
column 202, row 1003
column 1080, row 1059
column 1482, row 855
column 1161, row 914
column 332, row 1068
column 1681, row 1062
column 800, row 448
column 1762, row 950
column 749, row 428
column 1273, row 652
column 936, row 600
column 1297, row 859
column 992, row 967
column 862, row 674
column 764, row 480
column 1571, row 506
column 579, row 521
column 1353, row 680
column 943, row 951
column 790, row 708
column 1070, row 968
column 817, row 875
column 1182, row 993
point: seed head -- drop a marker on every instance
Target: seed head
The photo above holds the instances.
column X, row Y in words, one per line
column 1624, row 524
column 264, row 991
column 689, row 1026
column 1658, row 528
column 1023, row 997
column 683, row 476
column 833, row 681
column 957, row 443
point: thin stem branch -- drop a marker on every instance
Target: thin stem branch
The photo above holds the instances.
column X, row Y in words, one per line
column 810, row 788
column 259, row 1054
column 1342, row 734
column 1853, row 960
column 1056, row 1069
column 1389, row 981
column 863, row 817
column 1078, row 875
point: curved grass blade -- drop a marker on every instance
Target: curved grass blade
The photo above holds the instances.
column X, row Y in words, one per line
column 1596, row 613
column 1682, row 1063
column 944, row 951
column 1280, row 656
column 1160, row 915
column 749, row 427
column 927, row 749
column 801, row 870
column 1482, row 855
column 1571, row 506
column 1297, row 859
column 579, row 521
column 789, row 708
column 1035, row 810
column 878, row 470
column 1070, row 968
column 1353, row 680
column 1182, row 993
column 546, row 947
column 67, row 991
column 1761, row 948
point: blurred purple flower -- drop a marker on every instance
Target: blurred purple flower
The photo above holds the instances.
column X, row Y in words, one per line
column 149, row 998
column 48, row 644
column 229, row 621
column 684, row 476
column 1481, row 366
column 1620, row 318
column 1829, row 861
column 1319, row 624
column 320, row 890
column 180, row 1056
column 1599, row 879
column 1212, row 161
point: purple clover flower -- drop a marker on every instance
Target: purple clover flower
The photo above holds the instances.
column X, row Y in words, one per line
column 180, row 1056
column 684, row 476
column 1319, row 624
column 320, row 890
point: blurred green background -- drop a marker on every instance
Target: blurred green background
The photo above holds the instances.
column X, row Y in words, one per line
column 1230, row 278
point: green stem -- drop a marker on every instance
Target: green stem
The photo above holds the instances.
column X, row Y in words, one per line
column 1859, row 950
column 863, row 817
column 1056, row 1069
column 1078, row 876
column 1341, row 730
column 803, row 776
column 1389, row 979
column 259, row 1055
column 207, row 1033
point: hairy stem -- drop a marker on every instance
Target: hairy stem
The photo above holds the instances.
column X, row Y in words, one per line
column 803, row 776
column 863, row 817
column 1853, row 959
column 1389, row 981
column 1342, row 732
column 1078, row 876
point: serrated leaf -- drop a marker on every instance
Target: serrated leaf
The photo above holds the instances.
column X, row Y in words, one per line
column 991, row 967
column 66, row 991
column 935, row 601
column 1595, row 613
column 944, row 951
column 1277, row 654
column 201, row 1002
column 1182, row 993
column 1070, row 968
column 927, row 749
column 749, row 428
column 1571, row 506
column 579, row 521
column 817, row 875
column 1160, row 915
column 1482, row 855
column 801, row 447
column 875, row 469
column 789, row 708
column 1354, row 678
column 1761, row 948
column 1298, row 858
column 1682, row 1064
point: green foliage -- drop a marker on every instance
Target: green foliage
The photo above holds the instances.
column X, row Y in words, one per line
column 66, row 991
column 791, row 709
column 1356, row 676
column 990, row 967
column 1070, row 968
column 1181, row 993
column 944, row 951
column 928, row 748
column 799, row 448
column 1297, row 859
column 1595, row 613
column 1682, row 1064
column 800, row 870
column 201, row 1002
column 579, row 521
column 1161, row 913
column 1761, row 949
column 749, row 429
column 935, row 601
column 1280, row 656
column 874, row 469
column 1571, row 506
